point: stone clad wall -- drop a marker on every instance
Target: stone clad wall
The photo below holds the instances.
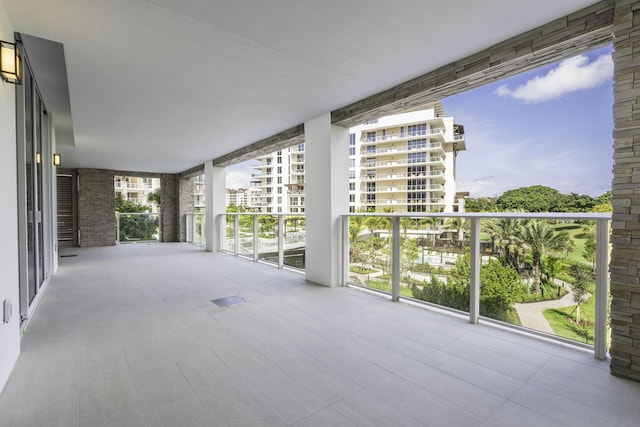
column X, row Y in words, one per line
column 96, row 208
column 185, row 205
column 625, row 257
column 169, row 207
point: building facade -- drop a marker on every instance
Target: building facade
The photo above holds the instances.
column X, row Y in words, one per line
column 400, row 163
column 137, row 189
column 405, row 162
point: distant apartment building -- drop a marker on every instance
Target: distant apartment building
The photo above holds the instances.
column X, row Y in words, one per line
column 241, row 197
column 278, row 184
column 405, row 162
column 137, row 189
column 400, row 163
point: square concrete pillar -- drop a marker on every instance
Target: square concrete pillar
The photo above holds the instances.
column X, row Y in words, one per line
column 326, row 198
column 215, row 180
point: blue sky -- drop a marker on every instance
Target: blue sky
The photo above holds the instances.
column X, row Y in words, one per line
column 550, row 126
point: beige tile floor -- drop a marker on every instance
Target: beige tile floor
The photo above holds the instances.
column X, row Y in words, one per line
column 127, row 336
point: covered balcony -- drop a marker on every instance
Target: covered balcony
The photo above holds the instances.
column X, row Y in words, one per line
column 129, row 335
column 174, row 334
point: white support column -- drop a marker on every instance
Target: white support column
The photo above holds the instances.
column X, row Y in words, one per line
column 326, row 198
column 215, row 180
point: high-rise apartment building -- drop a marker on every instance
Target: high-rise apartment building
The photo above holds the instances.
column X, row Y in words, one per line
column 403, row 163
column 280, row 182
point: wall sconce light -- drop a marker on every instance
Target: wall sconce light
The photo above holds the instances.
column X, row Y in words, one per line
column 38, row 157
column 57, row 159
column 10, row 63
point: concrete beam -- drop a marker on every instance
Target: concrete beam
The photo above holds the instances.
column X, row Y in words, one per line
column 585, row 30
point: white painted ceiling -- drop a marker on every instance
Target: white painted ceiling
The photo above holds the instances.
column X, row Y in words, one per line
column 164, row 85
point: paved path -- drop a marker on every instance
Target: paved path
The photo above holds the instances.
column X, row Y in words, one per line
column 531, row 313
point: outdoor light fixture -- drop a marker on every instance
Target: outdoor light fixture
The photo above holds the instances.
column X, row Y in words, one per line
column 57, row 159
column 38, row 158
column 10, row 63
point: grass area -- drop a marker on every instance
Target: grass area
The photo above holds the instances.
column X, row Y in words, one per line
column 579, row 237
column 549, row 292
column 383, row 285
column 361, row 270
column 563, row 321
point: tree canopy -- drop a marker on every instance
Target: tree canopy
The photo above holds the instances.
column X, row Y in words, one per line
column 538, row 198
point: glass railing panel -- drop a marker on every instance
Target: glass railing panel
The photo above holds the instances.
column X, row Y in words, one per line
column 245, row 235
column 138, row 227
column 370, row 251
column 199, row 234
column 540, row 274
column 268, row 238
column 230, row 233
column 437, row 266
column 294, row 241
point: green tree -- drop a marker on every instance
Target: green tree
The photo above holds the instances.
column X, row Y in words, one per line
column 154, row 196
column 504, row 233
column 458, row 225
column 537, row 198
column 500, row 287
column 356, row 225
column 481, row 204
column 589, row 252
column 133, row 226
column 128, row 206
column 580, row 287
column 538, row 237
column 551, row 266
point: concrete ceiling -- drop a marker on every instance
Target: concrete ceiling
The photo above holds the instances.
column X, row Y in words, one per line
column 164, row 85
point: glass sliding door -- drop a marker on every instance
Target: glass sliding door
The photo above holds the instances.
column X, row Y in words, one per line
column 34, row 149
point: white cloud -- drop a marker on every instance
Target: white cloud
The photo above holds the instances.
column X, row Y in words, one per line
column 238, row 179
column 570, row 75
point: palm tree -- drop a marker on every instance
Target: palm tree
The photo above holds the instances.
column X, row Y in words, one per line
column 428, row 223
column 356, row 225
column 538, row 237
column 504, row 231
column 455, row 224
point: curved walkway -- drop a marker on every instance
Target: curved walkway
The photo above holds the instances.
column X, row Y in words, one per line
column 531, row 313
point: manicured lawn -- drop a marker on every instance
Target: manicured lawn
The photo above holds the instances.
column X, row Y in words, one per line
column 562, row 321
column 383, row 285
column 361, row 270
column 579, row 237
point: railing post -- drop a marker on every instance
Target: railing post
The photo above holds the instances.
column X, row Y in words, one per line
column 194, row 227
column 602, row 289
column 118, row 227
column 255, row 237
column 474, row 261
column 395, row 258
column 203, row 230
column 160, row 227
column 345, row 249
column 236, row 235
column 280, row 240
